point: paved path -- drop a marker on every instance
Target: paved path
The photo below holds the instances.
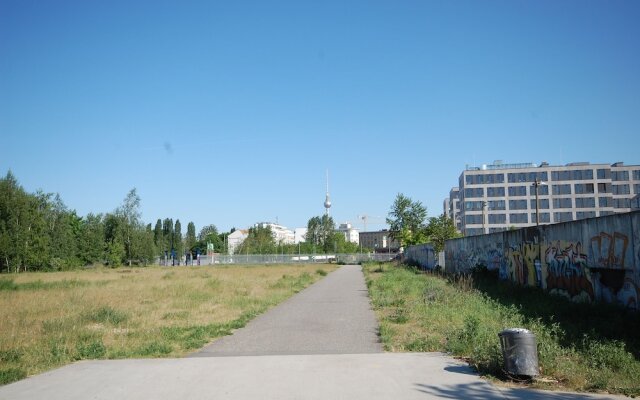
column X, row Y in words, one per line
column 332, row 316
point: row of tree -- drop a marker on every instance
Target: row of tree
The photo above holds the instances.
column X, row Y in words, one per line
column 409, row 224
column 39, row 232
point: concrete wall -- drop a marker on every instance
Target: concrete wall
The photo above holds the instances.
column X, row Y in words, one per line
column 596, row 259
column 422, row 255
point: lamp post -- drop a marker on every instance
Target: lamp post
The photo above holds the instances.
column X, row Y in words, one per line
column 484, row 206
column 538, row 262
column 535, row 184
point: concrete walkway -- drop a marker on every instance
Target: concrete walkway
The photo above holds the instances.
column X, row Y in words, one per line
column 320, row 344
column 333, row 316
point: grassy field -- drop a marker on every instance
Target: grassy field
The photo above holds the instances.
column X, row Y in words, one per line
column 580, row 346
column 51, row 319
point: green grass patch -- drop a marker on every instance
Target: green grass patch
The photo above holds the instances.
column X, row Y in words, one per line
column 583, row 347
column 105, row 315
column 8, row 375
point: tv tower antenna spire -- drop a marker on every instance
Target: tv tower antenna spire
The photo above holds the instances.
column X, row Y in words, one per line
column 327, row 200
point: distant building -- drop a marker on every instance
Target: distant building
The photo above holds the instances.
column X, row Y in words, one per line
column 452, row 209
column 235, row 239
column 498, row 196
column 379, row 241
column 299, row 235
column 351, row 234
column 281, row 234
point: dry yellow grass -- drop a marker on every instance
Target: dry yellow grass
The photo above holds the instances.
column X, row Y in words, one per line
column 50, row 319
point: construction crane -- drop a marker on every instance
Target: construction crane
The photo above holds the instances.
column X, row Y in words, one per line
column 368, row 218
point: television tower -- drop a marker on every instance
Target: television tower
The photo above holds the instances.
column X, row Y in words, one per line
column 327, row 200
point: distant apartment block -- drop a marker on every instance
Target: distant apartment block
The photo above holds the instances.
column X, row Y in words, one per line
column 350, row 233
column 452, row 207
column 379, row 241
column 498, row 196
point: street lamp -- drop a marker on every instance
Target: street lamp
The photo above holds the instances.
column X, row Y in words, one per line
column 535, row 184
column 484, row 206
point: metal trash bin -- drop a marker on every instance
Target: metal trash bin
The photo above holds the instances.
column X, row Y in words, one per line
column 519, row 351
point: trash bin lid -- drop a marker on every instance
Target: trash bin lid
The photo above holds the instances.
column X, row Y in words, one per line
column 516, row 330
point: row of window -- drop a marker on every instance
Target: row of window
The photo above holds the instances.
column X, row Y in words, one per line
column 525, row 218
column 572, row 175
column 543, row 204
column 543, row 190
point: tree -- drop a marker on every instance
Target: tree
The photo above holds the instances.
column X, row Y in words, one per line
column 129, row 212
column 209, row 234
column 406, row 221
column 91, row 243
column 439, row 230
column 320, row 232
column 260, row 240
column 190, row 238
column 177, row 240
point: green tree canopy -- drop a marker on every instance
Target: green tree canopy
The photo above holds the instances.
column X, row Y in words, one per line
column 439, row 230
column 406, row 221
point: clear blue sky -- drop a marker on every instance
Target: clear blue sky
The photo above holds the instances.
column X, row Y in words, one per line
column 230, row 112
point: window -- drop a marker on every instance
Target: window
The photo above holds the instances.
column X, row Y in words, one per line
column 585, row 214
column 495, row 192
column 562, row 216
column 544, row 217
column 474, row 192
column 543, row 204
column 473, row 219
column 605, row 202
column 636, row 174
column 582, row 174
column 621, row 203
column 619, row 175
column 604, row 188
column 620, row 189
column 636, row 188
column 582, row 188
column 517, row 191
column 517, row 204
column 543, row 190
column 604, row 174
column 585, row 202
column 520, row 177
column 561, row 189
column 481, row 179
column 496, row 205
column 560, row 175
column 497, row 218
column 473, row 205
column 564, row 202
column 519, row 218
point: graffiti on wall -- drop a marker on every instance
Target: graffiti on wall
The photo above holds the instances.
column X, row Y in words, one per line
column 609, row 250
column 590, row 267
column 566, row 271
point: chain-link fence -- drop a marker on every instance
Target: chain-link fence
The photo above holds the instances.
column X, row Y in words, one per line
column 279, row 259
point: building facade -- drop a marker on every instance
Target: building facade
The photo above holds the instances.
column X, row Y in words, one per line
column 452, row 208
column 499, row 196
column 280, row 233
column 350, row 233
column 379, row 241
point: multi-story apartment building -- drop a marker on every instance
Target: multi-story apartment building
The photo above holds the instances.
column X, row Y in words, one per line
column 379, row 241
column 498, row 196
column 280, row 233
